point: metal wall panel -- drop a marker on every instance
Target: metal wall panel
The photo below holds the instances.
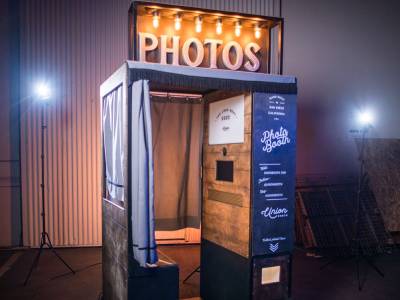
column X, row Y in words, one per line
column 75, row 45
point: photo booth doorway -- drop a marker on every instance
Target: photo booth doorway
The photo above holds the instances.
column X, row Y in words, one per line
column 177, row 131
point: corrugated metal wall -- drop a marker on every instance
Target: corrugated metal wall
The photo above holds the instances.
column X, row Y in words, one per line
column 75, row 45
column 256, row 7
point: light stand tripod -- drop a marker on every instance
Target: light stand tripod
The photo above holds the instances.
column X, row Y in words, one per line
column 357, row 252
column 44, row 239
column 356, row 241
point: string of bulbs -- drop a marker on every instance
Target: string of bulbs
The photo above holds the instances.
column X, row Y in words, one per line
column 198, row 21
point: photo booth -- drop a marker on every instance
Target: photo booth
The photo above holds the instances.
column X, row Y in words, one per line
column 184, row 146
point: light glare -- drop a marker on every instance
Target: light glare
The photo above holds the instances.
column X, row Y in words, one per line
column 43, row 91
column 366, row 117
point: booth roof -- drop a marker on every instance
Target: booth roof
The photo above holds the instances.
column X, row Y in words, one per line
column 211, row 79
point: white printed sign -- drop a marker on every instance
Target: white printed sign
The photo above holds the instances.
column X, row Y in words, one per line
column 226, row 121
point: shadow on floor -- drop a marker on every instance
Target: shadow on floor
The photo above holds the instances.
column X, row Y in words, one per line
column 51, row 279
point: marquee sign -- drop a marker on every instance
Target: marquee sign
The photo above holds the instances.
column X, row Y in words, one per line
column 180, row 52
column 182, row 36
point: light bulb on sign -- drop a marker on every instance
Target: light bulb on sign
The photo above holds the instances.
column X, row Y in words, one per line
column 238, row 27
column 198, row 21
column 257, row 31
column 156, row 19
column 218, row 29
column 178, row 22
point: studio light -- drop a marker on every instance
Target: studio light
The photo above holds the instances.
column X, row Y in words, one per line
column 365, row 118
column 218, row 28
column 156, row 19
column 42, row 91
column 257, row 31
column 238, row 27
column 178, row 22
column 198, row 21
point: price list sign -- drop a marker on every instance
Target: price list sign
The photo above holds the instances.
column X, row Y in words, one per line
column 273, row 173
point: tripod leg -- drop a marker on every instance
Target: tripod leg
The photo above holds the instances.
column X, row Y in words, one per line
column 191, row 274
column 56, row 254
column 330, row 262
column 372, row 265
column 358, row 273
column 63, row 261
column 34, row 264
column 333, row 261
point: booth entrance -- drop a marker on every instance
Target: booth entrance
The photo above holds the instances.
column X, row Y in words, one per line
column 187, row 148
column 179, row 125
column 177, row 139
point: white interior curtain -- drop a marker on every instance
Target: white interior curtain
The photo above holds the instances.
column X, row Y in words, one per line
column 113, row 144
column 142, row 182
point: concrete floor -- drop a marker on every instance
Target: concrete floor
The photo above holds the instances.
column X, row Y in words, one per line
column 52, row 281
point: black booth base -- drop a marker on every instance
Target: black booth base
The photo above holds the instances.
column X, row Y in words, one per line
column 226, row 275
column 273, row 291
column 154, row 283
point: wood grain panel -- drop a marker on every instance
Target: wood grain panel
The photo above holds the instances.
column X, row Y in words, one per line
column 225, row 197
column 227, row 224
column 229, row 188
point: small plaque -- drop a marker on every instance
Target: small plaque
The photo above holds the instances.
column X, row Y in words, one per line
column 270, row 275
column 226, row 121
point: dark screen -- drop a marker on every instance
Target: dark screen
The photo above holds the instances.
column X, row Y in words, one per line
column 225, row 170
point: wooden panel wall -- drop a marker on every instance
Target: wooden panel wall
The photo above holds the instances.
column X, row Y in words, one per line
column 382, row 163
column 115, row 252
column 227, row 224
